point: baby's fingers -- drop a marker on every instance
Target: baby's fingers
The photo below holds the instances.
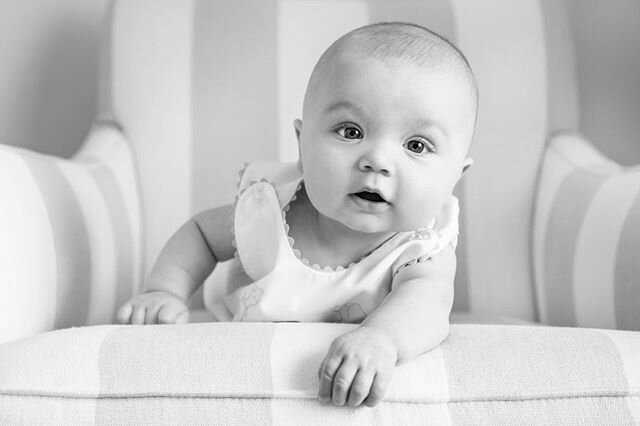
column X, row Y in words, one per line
column 151, row 315
column 139, row 314
column 360, row 387
column 327, row 371
column 342, row 382
column 378, row 389
column 173, row 313
column 124, row 314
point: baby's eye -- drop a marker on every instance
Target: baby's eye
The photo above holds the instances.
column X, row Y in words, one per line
column 349, row 131
column 418, row 147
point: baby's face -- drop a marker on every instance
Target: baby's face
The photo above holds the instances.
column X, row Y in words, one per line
column 383, row 143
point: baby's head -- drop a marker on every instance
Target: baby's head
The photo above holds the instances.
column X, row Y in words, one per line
column 388, row 118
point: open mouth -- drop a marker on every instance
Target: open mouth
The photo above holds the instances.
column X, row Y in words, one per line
column 370, row 196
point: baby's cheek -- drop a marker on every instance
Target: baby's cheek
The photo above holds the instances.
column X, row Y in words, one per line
column 418, row 211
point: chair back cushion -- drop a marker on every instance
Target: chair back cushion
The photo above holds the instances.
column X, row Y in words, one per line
column 202, row 86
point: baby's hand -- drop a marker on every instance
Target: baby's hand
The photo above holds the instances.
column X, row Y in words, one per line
column 357, row 368
column 155, row 307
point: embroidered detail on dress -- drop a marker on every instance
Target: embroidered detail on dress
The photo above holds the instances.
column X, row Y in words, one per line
column 259, row 196
column 424, row 233
column 348, row 313
column 249, row 298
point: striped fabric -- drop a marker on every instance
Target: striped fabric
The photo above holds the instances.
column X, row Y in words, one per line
column 586, row 238
column 203, row 86
column 265, row 373
column 70, row 235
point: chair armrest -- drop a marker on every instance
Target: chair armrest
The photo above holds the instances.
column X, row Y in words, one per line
column 69, row 235
column 266, row 373
column 586, row 237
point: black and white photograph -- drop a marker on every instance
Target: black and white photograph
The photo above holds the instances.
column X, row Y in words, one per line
column 320, row 212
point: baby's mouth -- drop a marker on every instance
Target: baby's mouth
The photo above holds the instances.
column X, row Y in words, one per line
column 370, row 196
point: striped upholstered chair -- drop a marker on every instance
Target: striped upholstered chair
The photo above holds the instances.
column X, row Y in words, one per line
column 189, row 91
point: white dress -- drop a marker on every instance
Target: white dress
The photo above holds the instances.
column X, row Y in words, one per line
column 269, row 280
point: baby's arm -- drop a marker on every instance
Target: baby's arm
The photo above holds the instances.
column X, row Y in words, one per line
column 413, row 319
column 415, row 315
column 184, row 263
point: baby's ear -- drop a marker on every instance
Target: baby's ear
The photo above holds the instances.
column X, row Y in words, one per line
column 468, row 162
column 297, row 126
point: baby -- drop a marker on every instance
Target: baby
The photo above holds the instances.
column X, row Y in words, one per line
column 361, row 229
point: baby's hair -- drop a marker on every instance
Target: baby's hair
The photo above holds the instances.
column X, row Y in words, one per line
column 401, row 40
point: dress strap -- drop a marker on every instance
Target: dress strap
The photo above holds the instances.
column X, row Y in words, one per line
column 285, row 178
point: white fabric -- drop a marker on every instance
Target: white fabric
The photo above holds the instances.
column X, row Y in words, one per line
column 271, row 281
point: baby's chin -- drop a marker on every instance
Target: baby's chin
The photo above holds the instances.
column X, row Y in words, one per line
column 375, row 227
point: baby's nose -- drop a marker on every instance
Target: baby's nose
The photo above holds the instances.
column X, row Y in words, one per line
column 377, row 161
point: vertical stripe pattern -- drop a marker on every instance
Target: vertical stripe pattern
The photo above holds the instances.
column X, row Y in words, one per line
column 74, row 237
column 202, row 86
column 594, row 293
column 562, row 107
column 68, row 227
column 511, row 129
column 99, row 285
column 27, row 251
column 108, row 159
column 123, row 282
column 573, row 196
column 586, row 238
column 151, row 71
column 234, row 94
column 627, row 268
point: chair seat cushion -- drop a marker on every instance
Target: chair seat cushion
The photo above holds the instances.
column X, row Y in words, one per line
column 266, row 373
column 481, row 318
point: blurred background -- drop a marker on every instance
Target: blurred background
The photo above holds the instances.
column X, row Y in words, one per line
column 50, row 62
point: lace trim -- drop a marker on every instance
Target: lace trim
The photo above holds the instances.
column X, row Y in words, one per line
column 298, row 253
column 427, row 257
column 241, row 175
column 233, row 212
column 306, row 261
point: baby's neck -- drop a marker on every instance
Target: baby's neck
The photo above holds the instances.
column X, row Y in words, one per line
column 326, row 242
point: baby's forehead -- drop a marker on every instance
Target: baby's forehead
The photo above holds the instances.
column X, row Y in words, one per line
column 346, row 66
column 366, row 52
column 362, row 61
column 406, row 42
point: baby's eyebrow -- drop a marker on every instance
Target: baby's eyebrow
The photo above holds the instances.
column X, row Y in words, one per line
column 430, row 124
column 343, row 105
